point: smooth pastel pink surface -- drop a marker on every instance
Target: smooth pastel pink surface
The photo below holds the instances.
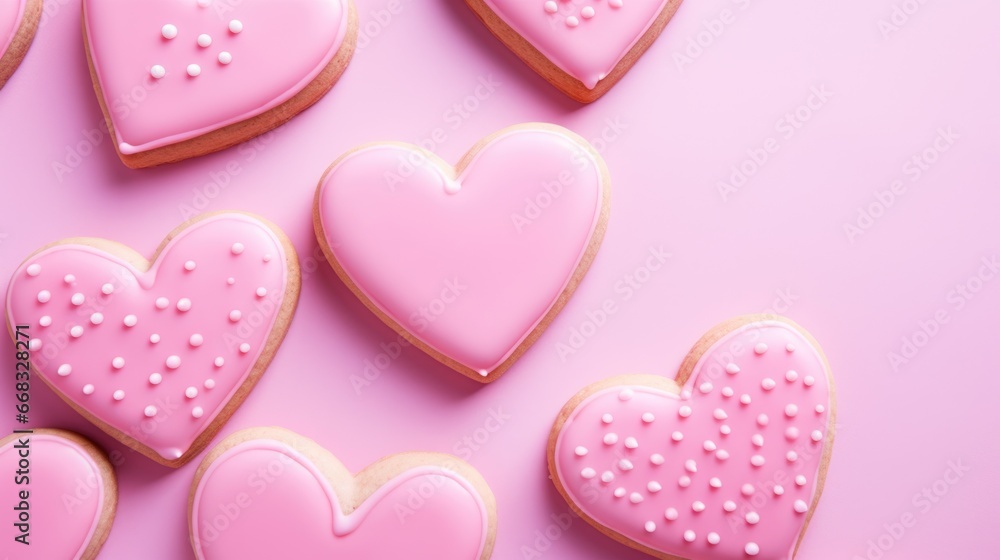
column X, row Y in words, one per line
column 586, row 39
column 668, row 135
column 11, row 13
column 446, row 257
column 281, row 47
column 65, row 497
column 733, row 459
column 154, row 354
column 423, row 513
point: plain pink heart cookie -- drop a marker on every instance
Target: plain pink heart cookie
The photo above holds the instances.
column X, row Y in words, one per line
column 63, row 493
column 182, row 78
column 18, row 23
column 271, row 493
column 158, row 354
column 583, row 47
column 727, row 462
column 469, row 263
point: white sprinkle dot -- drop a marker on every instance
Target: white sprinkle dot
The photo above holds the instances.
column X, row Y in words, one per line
column 715, row 482
column 635, row 498
column 69, row 279
column 155, row 378
column 183, row 304
column 97, row 319
column 196, row 340
column 760, row 348
column 619, row 492
column 752, row 549
column 607, row 477
column 76, row 331
column 820, row 409
column 745, row 399
column 225, row 57
column 191, row 392
column 130, row 320
column 809, row 380
column 193, row 70
column 35, row 344
column 722, row 454
column 720, row 414
column 197, row 412
column 670, row 514
column 237, row 248
column 161, row 303
column 261, row 292
column 677, row 436
column 611, row 439
column 800, row 506
column 88, row 389
column 607, row 418
column 157, row 71
column 45, row 321
column 648, row 417
column 204, row 3
column 154, row 338
column 727, row 392
column 235, row 315
column 757, row 440
column 684, row 411
column 709, row 445
column 691, row 466
column 650, row 526
column 118, row 395
column 118, row 362
column 204, row 40
column 792, row 456
column 753, row 518
column 792, row 433
column 626, row 394
column 230, row 280
column 800, row 480
column 779, row 489
column 266, row 257
column 586, row 473
column 625, row 465
column 244, row 348
column 587, row 12
column 714, row 538
column 767, row 384
column 706, row 387
column 580, row 451
column 732, row 368
column 654, row 486
column 684, row 481
column 698, row 506
column 656, row 459
column 725, row 429
column 209, row 383
column 551, row 7
column 169, row 31
column 816, row 435
column 236, row 26
column 107, row 289
column 34, row 269
column 64, row 370
column 762, row 420
column 44, row 296
column 631, row 443
column 219, row 361
column 173, row 362
column 747, row 489
column 791, row 410
column 791, row 375
column 150, row 411
column 729, row 506
column 572, row 21
column 689, row 536
column 757, row 460
column 790, row 347
column 189, row 266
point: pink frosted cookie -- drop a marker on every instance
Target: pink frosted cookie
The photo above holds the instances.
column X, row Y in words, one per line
column 158, row 353
column 63, row 495
column 271, row 493
column 725, row 462
column 182, row 78
column 18, row 23
column 582, row 47
column 470, row 263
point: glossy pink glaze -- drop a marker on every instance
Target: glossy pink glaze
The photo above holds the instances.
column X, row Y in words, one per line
column 11, row 13
column 282, row 47
column 66, row 492
column 777, row 523
column 256, row 294
column 469, row 265
column 262, row 499
column 591, row 49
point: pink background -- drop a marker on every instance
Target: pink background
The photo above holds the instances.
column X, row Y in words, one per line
column 778, row 243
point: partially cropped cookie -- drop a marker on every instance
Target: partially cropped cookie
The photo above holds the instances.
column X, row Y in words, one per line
column 18, row 23
column 60, row 493
column 582, row 47
column 725, row 462
column 182, row 78
column 271, row 493
column 470, row 263
column 158, row 353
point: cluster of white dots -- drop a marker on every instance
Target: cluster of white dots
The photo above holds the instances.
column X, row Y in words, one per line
column 129, row 321
column 690, row 466
column 587, row 12
column 169, row 32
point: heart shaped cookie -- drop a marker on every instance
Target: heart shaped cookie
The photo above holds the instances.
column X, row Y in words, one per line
column 263, row 482
column 583, row 47
column 181, row 78
column 469, row 263
column 158, row 354
column 18, row 23
column 727, row 461
column 63, row 493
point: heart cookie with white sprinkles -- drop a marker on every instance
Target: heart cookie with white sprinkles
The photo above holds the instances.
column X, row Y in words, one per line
column 725, row 462
column 158, row 354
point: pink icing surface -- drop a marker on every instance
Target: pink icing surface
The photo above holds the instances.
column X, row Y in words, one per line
column 469, row 265
column 166, row 362
column 262, row 499
column 677, row 468
column 590, row 49
column 66, row 492
column 281, row 48
column 11, row 12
